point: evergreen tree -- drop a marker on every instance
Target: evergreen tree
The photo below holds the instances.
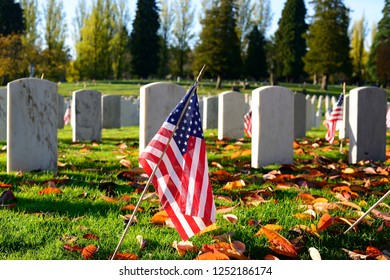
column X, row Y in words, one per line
column 379, row 58
column 328, row 41
column 289, row 41
column 11, row 18
column 255, row 61
column 219, row 47
column 145, row 42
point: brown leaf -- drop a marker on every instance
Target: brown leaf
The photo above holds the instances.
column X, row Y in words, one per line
column 325, row 221
column 89, row 251
column 231, row 218
column 216, row 164
column 354, row 255
column 69, row 247
column 306, row 197
column 373, row 252
column 208, row 229
column 131, row 207
column 183, row 247
column 212, row 256
column 271, row 257
column 7, row 199
column 125, row 256
column 50, row 190
column 381, row 215
column 110, row 199
column 238, row 184
column 270, row 227
column 91, row 236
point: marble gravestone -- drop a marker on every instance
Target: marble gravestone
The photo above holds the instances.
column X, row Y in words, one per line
column 231, row 111
column 32, row 125
column 3, row 114
column 367, row 121
column 157, row 100
column 309, row 113
column 299, row 115
column 86, row 117
column 210, row 112
column 60, row 110
column 272, row 126
column 129, row 111
column 111, row 111
column 344, row 125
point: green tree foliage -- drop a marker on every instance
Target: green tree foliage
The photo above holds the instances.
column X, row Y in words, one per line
column 255, row 60
column 12, row 62
column 328, row 41
column 182, row 34
column 145, row 42
column 379, row 57
column 219, row 46
column 94, row 59
column 55, row 55
column 290, row 42
column 11, row 18
column 358, row 53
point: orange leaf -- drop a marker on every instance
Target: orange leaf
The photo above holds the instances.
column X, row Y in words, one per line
column 125, row 256
column 234, row 185
column 306, row 197
column 208, row 229
column 279, row 244
column 69, row 247
column 212, row 256
column 50, row 190
column 373, row 252
column 325, row 221
column 2, row 185
column 159, row 218
column 89, row 251
column 270, row 257
column 130, row 207
column 269, row 226
column 110, row 199
column 90, row 236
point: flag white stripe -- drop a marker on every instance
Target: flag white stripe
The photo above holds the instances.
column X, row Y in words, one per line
column 192, row 179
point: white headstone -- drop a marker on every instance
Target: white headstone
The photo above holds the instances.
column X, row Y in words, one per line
column 309, row 113
column 60, row 110
column 32, row 125
column 129, row 111
column 367, row 119
column 299, row 115
column 86, row 116
column 210, row 112
column 3, row 114
column 111, row 111
column 231, row 111
column 272, row 126
column 157, row 100
column 344, row 125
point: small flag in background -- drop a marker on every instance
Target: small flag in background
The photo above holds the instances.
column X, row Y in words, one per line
column 248, row 123
column 388, row 118
column 335, row 116
column 181, row 178
column 67, row 115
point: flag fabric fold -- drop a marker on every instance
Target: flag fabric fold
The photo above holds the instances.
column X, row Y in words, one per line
column 248, row 123
column 335, row 116
column 67, row 115
column 388, row 118
column 181, row 178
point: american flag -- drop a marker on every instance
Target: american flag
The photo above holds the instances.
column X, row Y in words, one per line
column 67, row 115
column 248, row 123
column 388, row 118
column 335, row 116
column 181, row 178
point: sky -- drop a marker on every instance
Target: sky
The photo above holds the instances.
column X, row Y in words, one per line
column 372, row 10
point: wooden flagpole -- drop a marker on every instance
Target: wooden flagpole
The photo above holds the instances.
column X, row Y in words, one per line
column 154, row 170
column 368, row 211
column 342, row 140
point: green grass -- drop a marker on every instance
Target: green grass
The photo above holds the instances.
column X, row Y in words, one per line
column 40, row 225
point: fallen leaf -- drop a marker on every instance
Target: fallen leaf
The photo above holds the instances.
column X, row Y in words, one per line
column 183, row 247
column 373, row 252
column 159, row 218
column 125, row 163
column 231, row 218
column 91, row 236
column 354, row 255
column 325, row 221
column 131, row 207
column 270, row 227
column 208, row 229
column 216, row 164
column 212, row 256
column 50, row 190
column 141, row 241
column 238, row 184
column 8, row 199
column 69, row 247
column 89, row 251
column 2, row 185
column 271, row 257
column 314, row 254
column 381, row 215
column 279, row 244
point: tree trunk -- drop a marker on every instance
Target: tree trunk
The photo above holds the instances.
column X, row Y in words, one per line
column 219, row 82
column 324, row 83
column 315, row 79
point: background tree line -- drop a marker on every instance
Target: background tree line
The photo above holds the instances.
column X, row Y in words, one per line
column 160, row 42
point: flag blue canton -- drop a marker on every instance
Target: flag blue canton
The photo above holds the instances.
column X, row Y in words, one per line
column 190, row 125
column 340, row 100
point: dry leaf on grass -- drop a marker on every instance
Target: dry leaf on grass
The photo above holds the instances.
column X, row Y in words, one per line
column 212, row 256
column 50, row 190
column 124, row 256
column 89, row 251
column 279, row 244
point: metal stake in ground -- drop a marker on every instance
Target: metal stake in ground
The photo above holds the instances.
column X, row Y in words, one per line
column 155, row 168
column 368, row 211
